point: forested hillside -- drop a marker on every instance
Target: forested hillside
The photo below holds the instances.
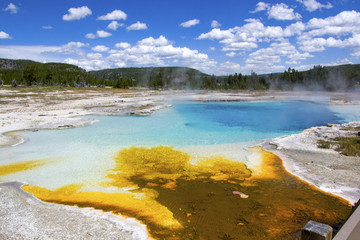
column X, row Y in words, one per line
column 342, row 77
column 154, row 77
column 28, row 73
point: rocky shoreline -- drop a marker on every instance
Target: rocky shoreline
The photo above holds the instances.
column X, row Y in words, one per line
column 325, row 168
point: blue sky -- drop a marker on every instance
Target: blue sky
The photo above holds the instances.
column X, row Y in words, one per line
column 216, row 37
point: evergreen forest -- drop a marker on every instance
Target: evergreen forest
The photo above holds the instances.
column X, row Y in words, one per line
column 29, row 73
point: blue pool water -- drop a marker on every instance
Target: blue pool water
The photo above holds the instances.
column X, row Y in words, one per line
column 84, row 153
column 189, row 123
column 259, row 117
column 196, row 124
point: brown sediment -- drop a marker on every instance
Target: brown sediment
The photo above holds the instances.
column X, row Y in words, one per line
column 20, row 166
column 177, row 200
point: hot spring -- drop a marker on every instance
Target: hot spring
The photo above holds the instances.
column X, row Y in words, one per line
column 187, row 172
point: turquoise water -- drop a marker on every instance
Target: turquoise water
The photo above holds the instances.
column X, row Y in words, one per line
column 186, row 123
column 88, row 150
column 196, row 124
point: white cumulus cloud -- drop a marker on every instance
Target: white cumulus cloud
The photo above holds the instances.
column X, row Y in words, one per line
column 281, row 11
column 91, row 62
column 215, row 24
column 313, row 5
column 123, row 45
column 340, row 31
column 190, row 23
column 238, row 46
column 114, row 15
column 146, row 52
column 231, row 67
column 272, row 55
column 100, row 48
column 94, row 55
column 137, row 26
column 231, row 54
column 114, row 25
column 261, row 6
column 217, row 34
column 99, row 34
column 42, row 53
column 161, row 52
column 343, row 19
column 35, row 53
column 245, row 37
column 4, row 35
column 12, row 8
column 77, row 13
column 294, row 29
column 71, row 48
column 90, row 36
column 103, row 34
column 319, row 44
column 161, row 41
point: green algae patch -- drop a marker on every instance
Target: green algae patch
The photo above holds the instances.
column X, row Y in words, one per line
column 20, row 166
column 348, row 146
column 216, row 198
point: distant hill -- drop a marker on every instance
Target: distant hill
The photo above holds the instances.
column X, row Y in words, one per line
column 328, row 78
column 71, row 75
column 27, row 72
column 10, row 64
column 155, row 77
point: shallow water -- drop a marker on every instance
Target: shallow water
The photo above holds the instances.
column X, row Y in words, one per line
column 84, row 154
column 79, row 166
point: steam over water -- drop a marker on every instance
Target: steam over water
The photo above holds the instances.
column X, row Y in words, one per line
column 197, row 124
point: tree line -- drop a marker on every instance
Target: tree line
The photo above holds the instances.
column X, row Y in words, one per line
column 235, row 82
column 50, row 75
column 345, row 77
